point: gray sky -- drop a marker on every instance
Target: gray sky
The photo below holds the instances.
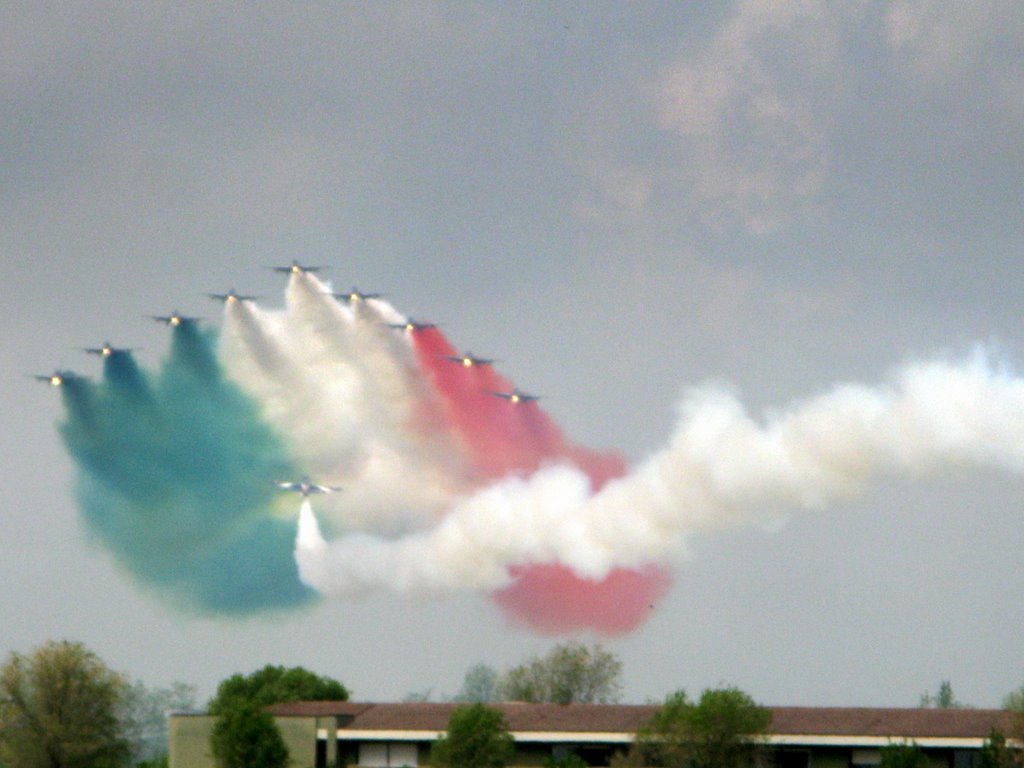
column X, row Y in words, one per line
column 617, row 200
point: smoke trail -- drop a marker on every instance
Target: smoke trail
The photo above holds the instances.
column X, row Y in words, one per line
column 721, row 468
column 448, row 487
column 505, row 438
column 174, row 480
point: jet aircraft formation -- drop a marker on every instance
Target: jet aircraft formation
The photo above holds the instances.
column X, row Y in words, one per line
column 305, row 486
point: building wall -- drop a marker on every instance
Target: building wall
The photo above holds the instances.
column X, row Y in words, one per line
column 189, row 740
column 190, row 748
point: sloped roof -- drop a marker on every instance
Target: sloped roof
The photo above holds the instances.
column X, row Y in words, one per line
column 894, row 723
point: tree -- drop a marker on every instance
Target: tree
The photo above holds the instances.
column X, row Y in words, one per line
column 903, row 755
column 943, row 699
column 477, row 737
column 480, row 685
column 995, row 753
column 571, row 672
column 245, row 734
column 144, row 712
column 59, row 708
column 1014, row 701
column 722, row 730
column 274, row 685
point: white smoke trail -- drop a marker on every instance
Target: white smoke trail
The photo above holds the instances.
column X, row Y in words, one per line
column 341, row 386
column 720, row 468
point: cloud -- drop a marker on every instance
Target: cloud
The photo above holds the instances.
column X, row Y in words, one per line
column 752, row 142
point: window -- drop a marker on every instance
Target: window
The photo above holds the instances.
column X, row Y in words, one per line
column 388, row 754
column 865, row 758
column 793, row 758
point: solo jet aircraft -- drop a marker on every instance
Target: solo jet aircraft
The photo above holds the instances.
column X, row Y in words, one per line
column 107, row 350
column 305, row 486
column 468, row 360
column 231, row 297
column 296, row 268
column 411, row 325
column 56, row 378
column 355, row 295
column 174, row 319
column 516, row 396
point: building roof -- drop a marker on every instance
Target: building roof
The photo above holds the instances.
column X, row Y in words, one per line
column 819, row 723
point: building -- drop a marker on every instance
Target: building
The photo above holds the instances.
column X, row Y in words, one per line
column 328, row 734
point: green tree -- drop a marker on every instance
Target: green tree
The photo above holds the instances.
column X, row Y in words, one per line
column 570, row 760
column 724, row 729
column 245, row 734
column 571, row 672
column 903, row 755
column 274, row 685
column 480, row 685
column 944, row 698
column 59, row 708
column 995, row 753
column 477, row 737
column 144, row 712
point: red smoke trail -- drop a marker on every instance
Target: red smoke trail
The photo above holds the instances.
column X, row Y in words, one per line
column 554, row 600
column 504, row 437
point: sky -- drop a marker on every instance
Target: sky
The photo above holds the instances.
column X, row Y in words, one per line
column 620, row 202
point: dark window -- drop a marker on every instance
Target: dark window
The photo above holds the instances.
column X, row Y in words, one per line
column 966, row 758
column 792, row 758
column 321, row 753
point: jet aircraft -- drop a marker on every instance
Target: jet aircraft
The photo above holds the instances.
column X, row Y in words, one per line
column 296, row 268
column 174, row 319
column 411, row 325
column 516, row 396
column 305, row 486
column 56, row 378
column 468, row 360
column 231, row 297
column 355, row 295
column 107, row 350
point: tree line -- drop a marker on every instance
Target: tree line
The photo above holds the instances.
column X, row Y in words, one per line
column 62, row 707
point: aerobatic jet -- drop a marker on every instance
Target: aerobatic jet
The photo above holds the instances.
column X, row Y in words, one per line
column 296, row 269
column 107, row 350
column 56, row 378
column 231, row 297
column 305, row 486
column 355, row 295
column 516, row 396
column 411, row 325
column 468, row 360
column 174, row 319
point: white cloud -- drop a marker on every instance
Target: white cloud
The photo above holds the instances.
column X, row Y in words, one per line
column 753, row 142
column 940, row 37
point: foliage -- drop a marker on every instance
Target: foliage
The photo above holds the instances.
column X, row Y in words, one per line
column 903, row 755
column 477, row 737
column 59, row 708
column 570, row 760
column 274, row 685
column 1014, row 701
column 245, row 736
column 144, row 712
column 722, row 730
column 995, row 753
column 943, row 699
column 479, row 685
column 571, row 672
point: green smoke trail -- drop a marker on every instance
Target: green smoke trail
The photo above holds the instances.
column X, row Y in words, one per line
column 176, row 476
